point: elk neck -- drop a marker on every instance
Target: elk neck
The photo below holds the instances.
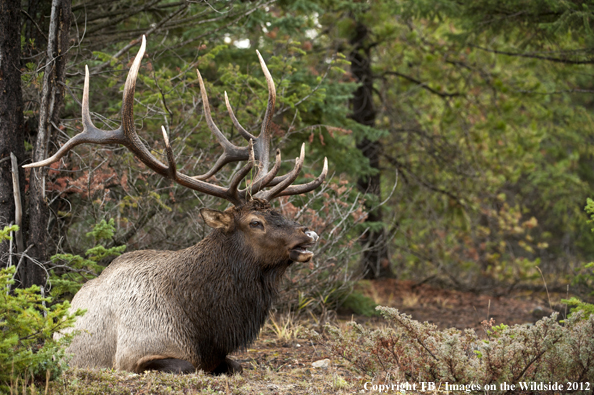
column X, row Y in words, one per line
column 229, row 287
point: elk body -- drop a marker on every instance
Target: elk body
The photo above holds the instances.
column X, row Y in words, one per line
column 179, row 311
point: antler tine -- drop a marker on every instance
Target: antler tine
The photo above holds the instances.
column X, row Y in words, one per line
column 264, row 181
column 237, row 177
column 231, row 152
column 88, row 125
column 291, row 176
column 263, row 141
column 170, row 158
column 310, row 186
column 282, row 184
column 247, row 135
column 133, row 142
column 90, row 133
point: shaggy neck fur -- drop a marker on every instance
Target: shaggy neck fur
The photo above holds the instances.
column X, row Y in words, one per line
column 232, row 291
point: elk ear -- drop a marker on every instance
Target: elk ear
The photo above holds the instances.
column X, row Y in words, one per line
column 217, row 219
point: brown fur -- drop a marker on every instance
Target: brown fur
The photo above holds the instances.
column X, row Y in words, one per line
column 150, row 309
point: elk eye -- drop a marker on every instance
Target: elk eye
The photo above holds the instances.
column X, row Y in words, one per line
column 256, row 224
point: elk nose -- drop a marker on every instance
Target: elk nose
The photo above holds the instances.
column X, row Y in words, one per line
column 312, row 235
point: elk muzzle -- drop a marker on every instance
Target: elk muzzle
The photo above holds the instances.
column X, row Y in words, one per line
column 300, row 253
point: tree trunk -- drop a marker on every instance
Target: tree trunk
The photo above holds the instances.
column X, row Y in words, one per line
column 375, row 260
column 52, row 97
column 11, row 112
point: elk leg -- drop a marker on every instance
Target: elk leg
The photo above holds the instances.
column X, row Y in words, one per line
column 228, row 367
column 170, row 365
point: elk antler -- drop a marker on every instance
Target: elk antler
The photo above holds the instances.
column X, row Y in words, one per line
column 257, row 149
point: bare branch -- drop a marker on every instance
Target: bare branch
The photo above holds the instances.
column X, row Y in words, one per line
column 421, row 84
column 535, row 56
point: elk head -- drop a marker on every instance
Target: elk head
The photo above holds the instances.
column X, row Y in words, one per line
column 271, row 237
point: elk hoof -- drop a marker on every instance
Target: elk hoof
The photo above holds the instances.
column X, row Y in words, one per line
column 228, row 367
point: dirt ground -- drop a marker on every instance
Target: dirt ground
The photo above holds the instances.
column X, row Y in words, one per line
column 461, row 310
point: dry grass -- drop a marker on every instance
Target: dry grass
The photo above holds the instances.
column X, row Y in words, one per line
column 410, row 300
column 284, row 327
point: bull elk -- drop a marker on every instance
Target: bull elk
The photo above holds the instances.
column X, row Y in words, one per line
column 179, row 311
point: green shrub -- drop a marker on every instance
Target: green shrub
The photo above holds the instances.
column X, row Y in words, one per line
column 586, row 277
column 27, row 327
column 547, row 351
column 577, row 305
column 360, row 304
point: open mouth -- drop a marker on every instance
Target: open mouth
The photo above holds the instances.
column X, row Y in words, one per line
column 301, row 253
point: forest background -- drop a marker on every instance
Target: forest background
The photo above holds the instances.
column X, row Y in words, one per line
column 458, row 135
